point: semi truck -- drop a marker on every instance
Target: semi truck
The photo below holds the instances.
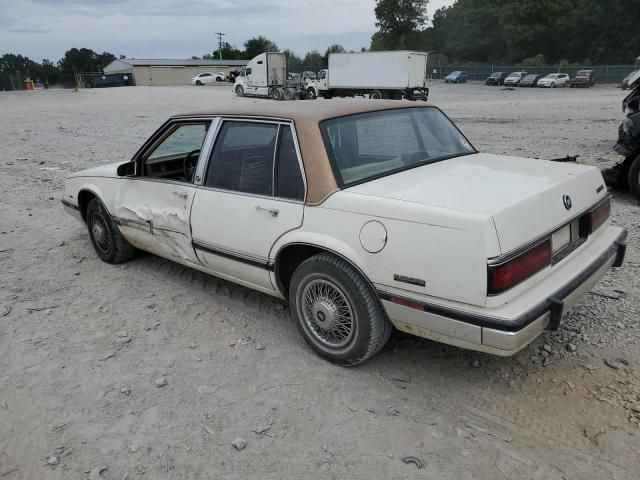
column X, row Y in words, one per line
column 267, row 76
column 389, row 75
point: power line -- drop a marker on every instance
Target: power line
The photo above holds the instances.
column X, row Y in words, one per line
column 220, row 35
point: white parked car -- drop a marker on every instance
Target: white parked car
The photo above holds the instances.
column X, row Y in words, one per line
column 554, row 80
column 208, row 77
column 362, row 215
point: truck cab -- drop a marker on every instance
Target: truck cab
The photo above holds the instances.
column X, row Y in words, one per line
column 264, row 72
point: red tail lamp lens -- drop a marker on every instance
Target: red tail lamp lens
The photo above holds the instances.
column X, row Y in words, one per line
column 502, row 277
column 598, row 215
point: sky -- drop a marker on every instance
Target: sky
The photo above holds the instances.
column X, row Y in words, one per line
column 171, row 29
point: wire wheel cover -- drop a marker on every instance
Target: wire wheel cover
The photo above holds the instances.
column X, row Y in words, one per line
column 100, row 232
column 327, row 313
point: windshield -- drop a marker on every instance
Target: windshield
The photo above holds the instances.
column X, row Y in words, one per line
column 496, row 75
column 366, row 146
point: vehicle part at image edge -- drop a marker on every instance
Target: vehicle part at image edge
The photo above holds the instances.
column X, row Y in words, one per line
column 346, row 292
column 107, row 240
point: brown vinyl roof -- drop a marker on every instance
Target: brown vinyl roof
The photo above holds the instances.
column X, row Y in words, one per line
column 306, row 115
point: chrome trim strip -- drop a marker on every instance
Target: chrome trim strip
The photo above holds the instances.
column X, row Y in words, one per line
column 500, row 259
column 205, row 153
column 529, row 316
column 232, row 255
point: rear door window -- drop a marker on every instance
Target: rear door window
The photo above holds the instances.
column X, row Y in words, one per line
column 242, row 159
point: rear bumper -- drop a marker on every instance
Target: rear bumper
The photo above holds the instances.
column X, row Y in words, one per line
column 498, row 335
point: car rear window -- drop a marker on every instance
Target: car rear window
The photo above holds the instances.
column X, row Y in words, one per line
column 366, row 146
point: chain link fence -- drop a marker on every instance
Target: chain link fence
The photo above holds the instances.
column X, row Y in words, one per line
column 603, row 73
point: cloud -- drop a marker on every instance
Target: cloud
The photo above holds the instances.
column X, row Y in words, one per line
column 173, row 29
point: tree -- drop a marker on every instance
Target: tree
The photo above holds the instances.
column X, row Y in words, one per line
column 293, row 60
column 398, row 17
column 229, row 52
column 335, row 48
column 257, row 45
column 314, row 59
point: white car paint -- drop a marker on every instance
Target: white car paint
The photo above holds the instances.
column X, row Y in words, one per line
column 208, row 77
column 441, row 223
column 554, row 80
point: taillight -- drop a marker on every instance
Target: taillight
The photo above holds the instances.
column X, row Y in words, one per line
column 506, row 275
column 594, row 218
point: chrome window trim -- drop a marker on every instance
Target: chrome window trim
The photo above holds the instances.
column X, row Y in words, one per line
column 279, row 122
column 207, row 147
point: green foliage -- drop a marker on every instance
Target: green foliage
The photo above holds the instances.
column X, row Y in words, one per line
column 400, row 25
column 335, row 48
column 257, row 45
column 314, row 59
column 229, row 52
column 293, row 60
column 507, row 31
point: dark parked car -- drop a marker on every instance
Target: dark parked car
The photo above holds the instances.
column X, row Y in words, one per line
column 584, row 78
column 113, row 80
column 496, row 78
column 456, row 77
column 530, row 81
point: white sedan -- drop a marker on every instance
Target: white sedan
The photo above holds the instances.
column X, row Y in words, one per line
column 554, row 80
column 208, row 77
column 362, row 215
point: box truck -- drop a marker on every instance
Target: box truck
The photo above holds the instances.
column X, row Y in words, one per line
column 392, row 75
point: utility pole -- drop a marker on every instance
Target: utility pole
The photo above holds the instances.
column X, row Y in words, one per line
column 220, row 35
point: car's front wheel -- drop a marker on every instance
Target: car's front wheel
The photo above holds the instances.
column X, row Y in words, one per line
column 240, row 91
column 107, row 240
column 337, row 311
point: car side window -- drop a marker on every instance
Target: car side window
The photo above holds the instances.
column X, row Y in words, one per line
column 242, row 158
column 182, row 140
column 289, row 183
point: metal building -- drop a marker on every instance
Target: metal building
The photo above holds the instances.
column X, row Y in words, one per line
column 168, row 71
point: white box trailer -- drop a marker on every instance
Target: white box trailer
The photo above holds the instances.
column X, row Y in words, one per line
column 393, row 75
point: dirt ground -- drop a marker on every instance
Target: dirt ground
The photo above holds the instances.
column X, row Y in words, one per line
column 83, row 343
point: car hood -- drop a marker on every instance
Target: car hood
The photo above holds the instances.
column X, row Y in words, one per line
column 524, row 197
column 101, row 171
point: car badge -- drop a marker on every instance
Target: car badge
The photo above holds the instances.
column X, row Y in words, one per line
column 566, row 200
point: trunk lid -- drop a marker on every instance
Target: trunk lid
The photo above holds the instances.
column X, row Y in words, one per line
column 524, row 197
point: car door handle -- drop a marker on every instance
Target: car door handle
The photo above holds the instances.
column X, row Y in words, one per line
column 273, row 211
column 181, row 194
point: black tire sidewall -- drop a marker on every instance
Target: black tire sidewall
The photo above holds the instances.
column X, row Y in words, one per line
column 96, row 207
column 317, row 268
column 240, row 91
column 633, row 177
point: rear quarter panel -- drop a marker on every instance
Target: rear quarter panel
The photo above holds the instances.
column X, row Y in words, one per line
column 446, row 249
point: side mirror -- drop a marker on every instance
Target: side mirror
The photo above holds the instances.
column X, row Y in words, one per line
column 126, row 169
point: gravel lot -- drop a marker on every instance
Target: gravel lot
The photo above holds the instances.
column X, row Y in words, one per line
column 83, row 344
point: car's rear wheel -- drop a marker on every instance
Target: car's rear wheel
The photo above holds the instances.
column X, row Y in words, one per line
column 289, row 94
column 634, row 177
column 337, row 311
column 311, row 94
column 375, row 95
column 240, row 91
column 107, row 240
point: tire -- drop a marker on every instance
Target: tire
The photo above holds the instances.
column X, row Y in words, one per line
column 218, row 79
column 289, row 94
column 240, row 91
column 198, row 82
column 553, row 85
column 277, row 93
column 105, row 237
column 311, row 94
column 367, row 328
column 634, row 177
column 375, row 95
